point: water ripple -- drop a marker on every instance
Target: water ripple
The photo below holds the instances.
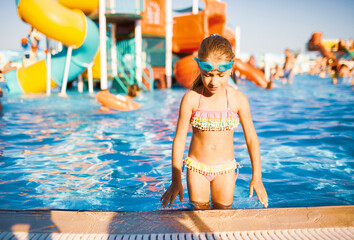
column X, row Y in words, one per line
column 61, row 153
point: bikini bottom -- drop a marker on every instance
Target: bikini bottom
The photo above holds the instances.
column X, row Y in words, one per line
column 287, row 73
column 211, row 171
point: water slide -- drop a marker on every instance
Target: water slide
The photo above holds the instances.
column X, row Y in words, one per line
column 315, row 44
column 251, row 73
column 63, row 21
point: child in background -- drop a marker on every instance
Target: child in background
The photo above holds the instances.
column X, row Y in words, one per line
column 31, row 44
column 278, row 74
column 213, row 109
column 288, row 67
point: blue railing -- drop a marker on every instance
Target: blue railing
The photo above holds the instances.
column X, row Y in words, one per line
column 126, row 58
column 124, row 6
column 126, row 64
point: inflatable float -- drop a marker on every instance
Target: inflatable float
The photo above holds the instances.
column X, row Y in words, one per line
column 57, row 21
column 106, row 99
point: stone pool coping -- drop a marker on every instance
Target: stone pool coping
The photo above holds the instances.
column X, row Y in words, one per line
column 148, row 222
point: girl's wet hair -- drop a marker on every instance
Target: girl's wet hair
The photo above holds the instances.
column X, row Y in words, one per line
column 217, row 45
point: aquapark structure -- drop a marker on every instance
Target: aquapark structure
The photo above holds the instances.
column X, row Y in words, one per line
column 188, row 32
column 331, row 49
column 64, row 21
column 71, row 22
column 132, row 29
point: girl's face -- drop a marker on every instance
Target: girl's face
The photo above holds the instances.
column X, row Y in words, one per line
column 215, row 80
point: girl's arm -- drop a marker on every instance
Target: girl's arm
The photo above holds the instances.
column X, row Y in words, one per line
column 253, row 150
column 179, row 142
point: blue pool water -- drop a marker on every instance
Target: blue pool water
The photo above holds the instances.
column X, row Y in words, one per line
column 61, row 153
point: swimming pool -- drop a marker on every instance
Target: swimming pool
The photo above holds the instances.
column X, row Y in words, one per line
column 61, row 153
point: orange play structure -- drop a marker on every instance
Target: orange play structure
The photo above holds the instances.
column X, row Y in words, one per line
column 190, row 29
column 154, row 18
column 188, row 32
column 186, row 71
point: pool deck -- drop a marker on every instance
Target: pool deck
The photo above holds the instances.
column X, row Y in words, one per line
column 162, row 222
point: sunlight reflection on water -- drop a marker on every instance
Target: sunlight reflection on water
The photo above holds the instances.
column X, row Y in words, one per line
column 62, row 154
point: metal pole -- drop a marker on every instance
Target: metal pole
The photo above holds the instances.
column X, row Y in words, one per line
column 112, row 6
column 80, row 84
column 103, row 49
column 49, row 67
column 66, row 72
column 138, row 6
column 238, row 41
column 138, row 50
column 169, row 34
column 114, row 50
column 267, row 66
column 90, row 78
column 195, row 6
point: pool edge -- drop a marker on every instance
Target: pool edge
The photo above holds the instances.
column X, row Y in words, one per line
column 141, row 222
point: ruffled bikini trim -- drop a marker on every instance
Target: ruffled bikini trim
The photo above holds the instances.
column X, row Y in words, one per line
column 209, row 170
column 214, row 124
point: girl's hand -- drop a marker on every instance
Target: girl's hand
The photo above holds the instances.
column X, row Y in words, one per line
column 171, row 194
column 257, row 185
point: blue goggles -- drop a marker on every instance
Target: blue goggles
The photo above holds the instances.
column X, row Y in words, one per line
column 207, row 66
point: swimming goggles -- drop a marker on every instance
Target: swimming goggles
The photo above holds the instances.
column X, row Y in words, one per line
column 207, row 66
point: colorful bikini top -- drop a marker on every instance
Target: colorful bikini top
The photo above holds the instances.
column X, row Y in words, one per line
column 218, row 120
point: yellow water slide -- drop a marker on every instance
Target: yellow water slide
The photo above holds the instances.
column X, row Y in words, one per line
column 63, row 21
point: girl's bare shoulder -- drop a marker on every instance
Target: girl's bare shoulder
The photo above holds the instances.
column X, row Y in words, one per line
column 236, row 98
column 236, row 94
column 191, row 98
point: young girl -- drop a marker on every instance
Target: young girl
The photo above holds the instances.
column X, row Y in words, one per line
column 213, row 109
